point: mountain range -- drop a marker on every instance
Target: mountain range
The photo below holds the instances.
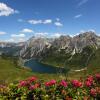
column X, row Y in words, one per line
column 36, row 47
column 62, row 51
column 11, row 49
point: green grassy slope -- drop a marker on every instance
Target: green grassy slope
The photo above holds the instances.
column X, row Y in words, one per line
column 89, row 56
column 10, row 72
column 56, row 58
column 81, row 60
column 94, row 64
column 92, row 68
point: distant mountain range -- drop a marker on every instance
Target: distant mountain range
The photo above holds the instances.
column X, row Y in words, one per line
column 65, row 50
column 11, row 49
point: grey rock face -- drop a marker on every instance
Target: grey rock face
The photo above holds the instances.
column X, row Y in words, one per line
column 36, row 47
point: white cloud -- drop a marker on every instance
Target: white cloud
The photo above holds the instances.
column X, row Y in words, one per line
column 45, row 34
column 82, row 2
column 6, row 10
column 18, row 35
column 47, row 21
column 72, row 35
column 26, row 30
column 58, row 24
column 41, row 34
column 78, row 16
column 2, row 33
column 17, row 38
column 57, row 35
column 35, row 21
column 92, row 30
column 9, row 40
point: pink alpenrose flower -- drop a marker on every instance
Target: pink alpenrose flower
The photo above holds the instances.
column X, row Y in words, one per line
column 63, row 83
column 76, row 83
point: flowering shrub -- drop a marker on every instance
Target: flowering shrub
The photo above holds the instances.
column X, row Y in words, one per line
column 34, row 89
column 76, row 83
column 63, row 83
column 52, row 82
column 98, row 77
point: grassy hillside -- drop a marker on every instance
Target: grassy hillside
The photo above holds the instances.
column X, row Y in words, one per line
column 10, row 72
column 56, row 58
column 81, row 60
column 94, row 64
column 89, row 56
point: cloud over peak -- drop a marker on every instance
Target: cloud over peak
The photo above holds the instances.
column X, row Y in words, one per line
column 57, row 35
column 19, row 35
column 6, row 10
column 41, row 34
column 17, row 38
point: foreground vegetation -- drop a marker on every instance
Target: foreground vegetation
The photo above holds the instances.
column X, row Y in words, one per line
column 34, row 89
column 10, row 72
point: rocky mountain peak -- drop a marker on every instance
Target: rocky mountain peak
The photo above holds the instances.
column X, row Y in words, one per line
column 37, row 46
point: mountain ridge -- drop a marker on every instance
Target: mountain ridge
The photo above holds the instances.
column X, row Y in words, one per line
column 39, row 46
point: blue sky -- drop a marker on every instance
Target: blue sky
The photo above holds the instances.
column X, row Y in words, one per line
column 21, row 19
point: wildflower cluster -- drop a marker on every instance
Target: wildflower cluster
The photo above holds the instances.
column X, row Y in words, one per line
column 35, row 89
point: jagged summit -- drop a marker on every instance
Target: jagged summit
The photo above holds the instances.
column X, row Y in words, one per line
column 39, row 46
